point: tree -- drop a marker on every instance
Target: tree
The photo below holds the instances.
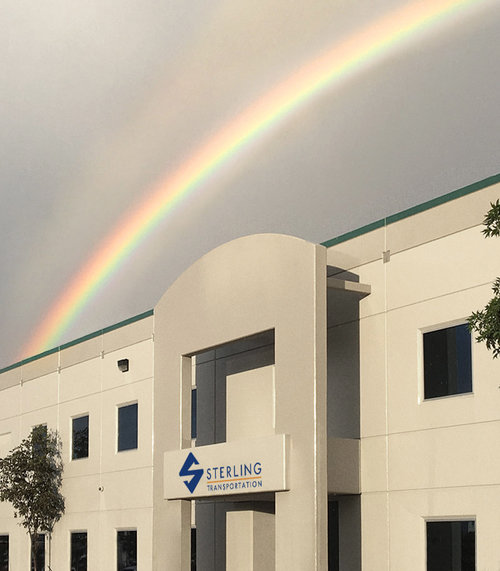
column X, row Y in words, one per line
column 486, row 322
column 30, row 479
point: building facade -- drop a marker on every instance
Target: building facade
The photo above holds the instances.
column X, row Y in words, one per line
column 287, row 406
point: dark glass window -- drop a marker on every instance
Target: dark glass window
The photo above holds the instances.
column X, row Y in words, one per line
column 39, row 550
column 80, row 437
column 333, row 536
column 447, row 362
column 39, row 436
column 4, row 553
column 127, row 550
column 193, row 549
column 79, row 551
column 193, row 413
column 451, row 546
column 127, row 427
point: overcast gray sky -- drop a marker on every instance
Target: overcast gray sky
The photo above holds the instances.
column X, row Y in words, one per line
column 101, row 99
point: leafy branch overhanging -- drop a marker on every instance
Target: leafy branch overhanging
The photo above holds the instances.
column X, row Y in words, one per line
column 486, row 322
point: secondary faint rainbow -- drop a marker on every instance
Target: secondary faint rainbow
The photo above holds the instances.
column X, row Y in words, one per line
column 332, row 67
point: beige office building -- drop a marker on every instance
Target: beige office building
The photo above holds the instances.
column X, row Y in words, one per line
column 287, row 406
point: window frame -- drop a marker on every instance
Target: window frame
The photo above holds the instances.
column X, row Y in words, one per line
column 6, row 535
column 118, row 408
column 46, row 428
column 71, row 533
column 421, row 361
column 44, row 552
column 192, row 545
column 119, row 530
column 72, row 447
column 451, row 519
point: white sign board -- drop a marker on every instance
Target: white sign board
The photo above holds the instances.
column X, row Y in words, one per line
column 237, row 467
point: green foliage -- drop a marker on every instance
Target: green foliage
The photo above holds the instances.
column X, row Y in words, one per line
column 492, row 220
column 486, row 322
column 31, row 478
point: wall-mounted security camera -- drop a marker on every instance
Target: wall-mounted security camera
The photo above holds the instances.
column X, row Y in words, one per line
column 123, row 365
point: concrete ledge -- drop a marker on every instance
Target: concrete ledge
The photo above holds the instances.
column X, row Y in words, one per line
column 344, row 285
column 343, row 466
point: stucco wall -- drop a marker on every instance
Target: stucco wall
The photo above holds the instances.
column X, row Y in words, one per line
column 109, row 490
column 424, row 459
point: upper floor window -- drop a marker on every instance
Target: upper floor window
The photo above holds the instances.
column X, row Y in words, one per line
column 447, row 362
column 80, row 438
column 39, row 439
column 451, row 545
column 127, row 427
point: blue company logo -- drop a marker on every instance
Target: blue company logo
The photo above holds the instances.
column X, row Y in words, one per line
column 195, row 474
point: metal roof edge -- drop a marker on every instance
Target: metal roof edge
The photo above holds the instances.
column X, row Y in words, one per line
column 469, row 189
column 118, row 325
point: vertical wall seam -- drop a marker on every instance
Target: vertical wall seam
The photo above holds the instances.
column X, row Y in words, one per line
column 315, row 400
column 386, row 375
column 100, row 409
column 152, row 450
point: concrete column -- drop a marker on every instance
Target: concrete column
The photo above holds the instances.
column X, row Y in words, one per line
column 250, row 541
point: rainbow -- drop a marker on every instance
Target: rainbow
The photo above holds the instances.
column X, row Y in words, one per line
column 336, row 65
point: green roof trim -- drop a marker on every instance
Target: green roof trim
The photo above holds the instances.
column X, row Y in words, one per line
column 353, row 233
column 39, row 356
column 128, row 321
column 469, row 189
column 10, row 367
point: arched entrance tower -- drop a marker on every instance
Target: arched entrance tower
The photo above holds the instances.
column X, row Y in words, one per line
column 261, row 283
